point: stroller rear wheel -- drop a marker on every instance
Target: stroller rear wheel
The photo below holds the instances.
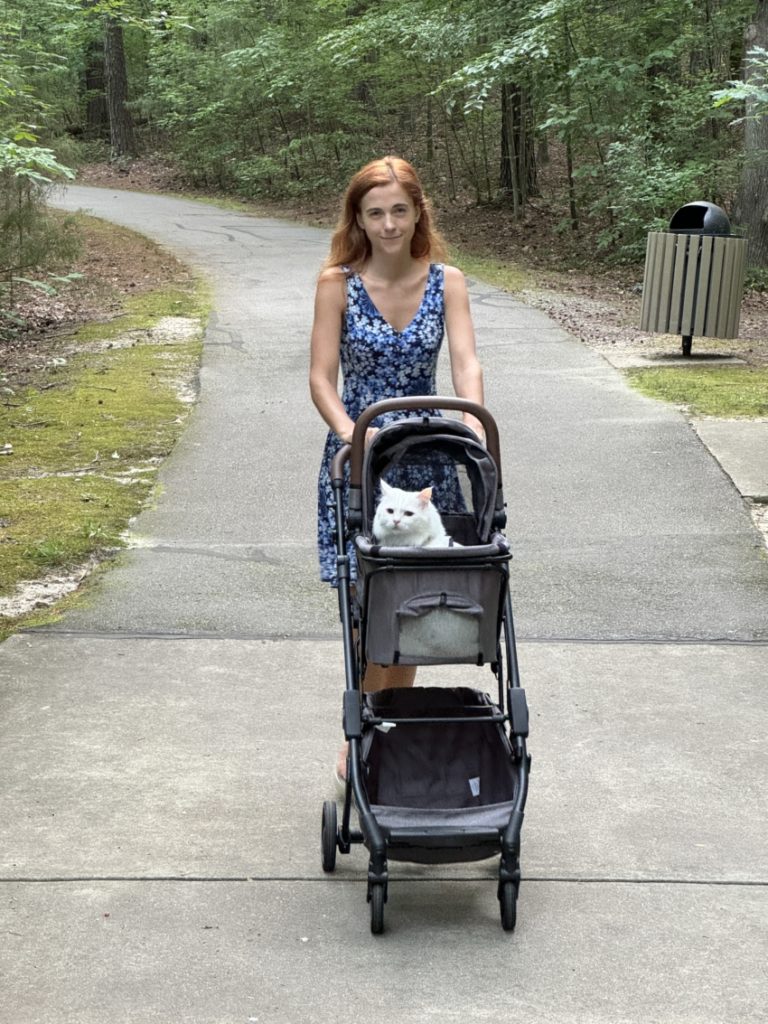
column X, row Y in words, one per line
column 508, row 905
column 328, row 836
column 377, row 896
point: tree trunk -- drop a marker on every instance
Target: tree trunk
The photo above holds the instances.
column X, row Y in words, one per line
column 517, row 173
column 123, row 142
column 96, row 114
column 752, row 208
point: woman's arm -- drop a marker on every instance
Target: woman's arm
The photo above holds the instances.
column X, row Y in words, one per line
column 466, row 372
column 330, row 303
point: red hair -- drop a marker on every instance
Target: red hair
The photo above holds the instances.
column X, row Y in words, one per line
column 350, row 245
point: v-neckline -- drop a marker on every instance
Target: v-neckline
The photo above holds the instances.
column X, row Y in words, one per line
column 415, row 316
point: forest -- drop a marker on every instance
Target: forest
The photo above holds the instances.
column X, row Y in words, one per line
column 604, row 116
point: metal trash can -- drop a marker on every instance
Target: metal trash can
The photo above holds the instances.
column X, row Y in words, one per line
column 694, row 276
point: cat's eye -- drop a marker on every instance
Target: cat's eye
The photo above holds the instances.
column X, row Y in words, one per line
column 409, row 513
column 390, row 511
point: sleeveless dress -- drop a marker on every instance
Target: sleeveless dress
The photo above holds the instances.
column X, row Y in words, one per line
column 378, row 362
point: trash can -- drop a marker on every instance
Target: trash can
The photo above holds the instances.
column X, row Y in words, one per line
column 694, row 276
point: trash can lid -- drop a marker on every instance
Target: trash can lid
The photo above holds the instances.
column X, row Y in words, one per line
column 700, row 218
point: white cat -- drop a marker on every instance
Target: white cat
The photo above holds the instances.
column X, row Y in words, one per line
column 408, row 518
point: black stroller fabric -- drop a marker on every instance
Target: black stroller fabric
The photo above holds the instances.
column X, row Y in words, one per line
column 440, row 773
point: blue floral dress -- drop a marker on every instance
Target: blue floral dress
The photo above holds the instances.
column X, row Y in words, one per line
column 378, row 362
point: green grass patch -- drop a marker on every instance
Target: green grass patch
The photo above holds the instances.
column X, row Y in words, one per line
column 730, row 392
column 142, row 311
column 58, row 522
column 86, row 443
column 508, row 276
column 102, row 412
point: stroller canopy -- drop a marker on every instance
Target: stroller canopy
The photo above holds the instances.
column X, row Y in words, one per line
column 424, row 445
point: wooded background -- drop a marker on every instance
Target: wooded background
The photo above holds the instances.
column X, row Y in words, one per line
column 611, row 114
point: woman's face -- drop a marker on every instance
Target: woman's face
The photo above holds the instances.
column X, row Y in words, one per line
column 388, row 218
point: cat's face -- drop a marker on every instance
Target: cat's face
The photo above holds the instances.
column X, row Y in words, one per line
column 401, row 513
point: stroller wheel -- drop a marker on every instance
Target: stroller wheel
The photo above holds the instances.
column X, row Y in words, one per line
column 508, row 905
column 328, row 836
column 377, row 899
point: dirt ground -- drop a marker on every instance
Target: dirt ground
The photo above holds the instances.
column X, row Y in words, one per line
column 114, row 264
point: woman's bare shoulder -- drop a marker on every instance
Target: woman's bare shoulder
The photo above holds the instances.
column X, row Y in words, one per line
column 332, row 274
column 331, row 285
column 455, row 282
column 453, row 273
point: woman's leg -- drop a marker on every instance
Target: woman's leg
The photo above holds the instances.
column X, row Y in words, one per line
column 376, row 678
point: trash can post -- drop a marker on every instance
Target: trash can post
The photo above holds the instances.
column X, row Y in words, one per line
column 694, row 276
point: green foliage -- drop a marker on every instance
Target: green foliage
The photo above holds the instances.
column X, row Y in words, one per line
column 282, row 99
column 753, row 91
column 29, row 65
column 30, row 239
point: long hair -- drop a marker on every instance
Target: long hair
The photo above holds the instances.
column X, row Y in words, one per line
column 350, row 245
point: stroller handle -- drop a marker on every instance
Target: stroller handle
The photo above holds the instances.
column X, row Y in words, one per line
column 357, row 450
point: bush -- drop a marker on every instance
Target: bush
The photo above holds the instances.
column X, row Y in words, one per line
column 30, row 239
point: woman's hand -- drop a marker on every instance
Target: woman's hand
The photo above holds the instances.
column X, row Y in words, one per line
column 346, row 436
column 474, row 424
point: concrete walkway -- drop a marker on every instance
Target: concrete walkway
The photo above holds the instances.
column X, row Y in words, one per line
column 166, row 750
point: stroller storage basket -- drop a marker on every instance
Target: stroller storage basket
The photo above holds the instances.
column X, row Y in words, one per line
column 439, row 773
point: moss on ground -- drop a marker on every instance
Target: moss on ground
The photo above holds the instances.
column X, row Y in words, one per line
column 142, row 311
column 105, row 411
column 82, row 448
column 54, row 522
column 730, row 392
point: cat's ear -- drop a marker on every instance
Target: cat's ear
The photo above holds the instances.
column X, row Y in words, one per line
column 385, row 487
column 425, row 496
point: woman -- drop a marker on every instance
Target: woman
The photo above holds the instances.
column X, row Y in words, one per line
column 381, row 308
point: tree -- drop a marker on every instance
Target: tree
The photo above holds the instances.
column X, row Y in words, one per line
column 121, row 133
column 752, row 209
column 517, row 174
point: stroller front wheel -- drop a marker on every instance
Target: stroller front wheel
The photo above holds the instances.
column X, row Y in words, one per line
column 508, row 905
column 377, row 898
column 328, row 836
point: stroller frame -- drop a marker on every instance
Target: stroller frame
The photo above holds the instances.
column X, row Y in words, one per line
column 424, row 842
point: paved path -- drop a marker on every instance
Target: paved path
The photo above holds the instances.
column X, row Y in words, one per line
column 166, row 749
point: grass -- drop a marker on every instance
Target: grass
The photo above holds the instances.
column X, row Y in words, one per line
column 86, row 444
column 732, row 392
column 501, row 274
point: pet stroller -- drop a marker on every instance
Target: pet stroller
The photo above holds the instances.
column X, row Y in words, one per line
column 437, row 774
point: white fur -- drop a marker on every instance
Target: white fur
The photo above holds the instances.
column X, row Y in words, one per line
column 408, row 519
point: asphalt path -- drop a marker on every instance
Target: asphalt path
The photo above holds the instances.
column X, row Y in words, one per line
column 622, row 523
column 164, row 751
